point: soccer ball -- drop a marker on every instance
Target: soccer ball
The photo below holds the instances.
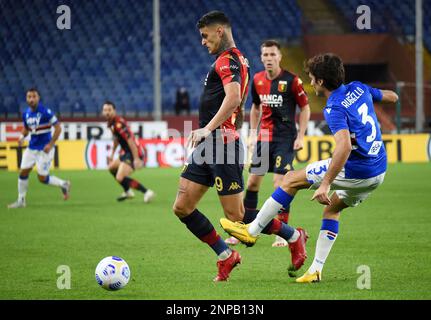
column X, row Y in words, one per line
column 112, row 273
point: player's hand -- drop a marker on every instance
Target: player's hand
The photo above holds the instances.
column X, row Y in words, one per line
column 21, row 141
column 251, row 142
column 298, row 144
column 322, row 195
column 47, row 148
column 137, row 163
column 197, row 136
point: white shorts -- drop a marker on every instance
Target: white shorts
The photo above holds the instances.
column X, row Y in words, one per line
column 40, row 158
column 351, row 191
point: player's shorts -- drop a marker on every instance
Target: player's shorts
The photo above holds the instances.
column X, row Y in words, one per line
column 41, row 159
column 127, row 158
column 276, row 157
column 207, row 171
column 351, row 191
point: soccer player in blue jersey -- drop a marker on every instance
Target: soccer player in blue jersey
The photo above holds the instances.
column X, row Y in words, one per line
column 357, row 166
column 38, row 121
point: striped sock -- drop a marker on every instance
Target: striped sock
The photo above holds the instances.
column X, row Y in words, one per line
column 202, row 228
column 327, row 236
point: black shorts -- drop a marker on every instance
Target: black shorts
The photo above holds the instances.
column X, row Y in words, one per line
column 225, row 174
column 276, row 157
column 127, row 158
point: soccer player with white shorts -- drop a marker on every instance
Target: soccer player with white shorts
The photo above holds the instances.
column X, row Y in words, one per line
column 38, row 122
column 356, row 169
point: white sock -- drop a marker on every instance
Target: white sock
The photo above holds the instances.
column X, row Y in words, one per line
column 225, row 254
column 294, row 237
column 268, row 212
column 323, row 247
column 54, row 181
column 22, row 188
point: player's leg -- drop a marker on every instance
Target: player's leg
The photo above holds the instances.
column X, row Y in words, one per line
column 249, row 207
column 127, row 192
column 43, row 164
column 185, row 208
column 123, row 177
column 258, row 168
column 251, row 194
column 27, row 162
column 326, row 239
column 282, row 155
column 283, row 215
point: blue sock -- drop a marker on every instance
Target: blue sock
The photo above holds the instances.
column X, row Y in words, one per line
column 331, row 228
column 282, row 197
column 286, row 231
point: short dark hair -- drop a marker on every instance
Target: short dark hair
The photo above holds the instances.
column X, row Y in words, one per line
column 270, row 43
column 213, row 17
column 327, row 67
column 33, row 89
column 110, row 103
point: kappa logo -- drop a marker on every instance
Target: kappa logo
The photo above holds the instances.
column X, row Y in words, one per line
column 328, row 110
column 260, row 83
column 234, row 186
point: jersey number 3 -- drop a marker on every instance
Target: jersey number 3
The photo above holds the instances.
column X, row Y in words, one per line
column 363, row 111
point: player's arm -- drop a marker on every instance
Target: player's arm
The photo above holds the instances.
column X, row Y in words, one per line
column 114, row 147
column 301, row 99
column 304, row 117
column 389, row 96
column 385, row 96
column 343, row 147
column 55, row 136
column 133, row 147
column 230, row 103
column 24, row 133
column 255, row 114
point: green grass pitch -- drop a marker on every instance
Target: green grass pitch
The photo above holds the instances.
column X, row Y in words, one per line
column 390, row 233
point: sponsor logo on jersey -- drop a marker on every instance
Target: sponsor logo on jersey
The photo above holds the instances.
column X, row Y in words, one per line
column 271, row 100
column 231, row 67
column 33, row 122
column 282, row 86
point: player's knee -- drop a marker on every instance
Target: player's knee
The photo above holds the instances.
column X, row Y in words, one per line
column 180, row 209
column 288, row 180
column 236, row 214
column 23, row 175
column 277, row 183
column 119, row 178
column 252, row 185
column 42, row 179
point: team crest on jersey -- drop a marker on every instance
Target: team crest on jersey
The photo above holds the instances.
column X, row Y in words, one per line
column 282, row 86
column 118, row 125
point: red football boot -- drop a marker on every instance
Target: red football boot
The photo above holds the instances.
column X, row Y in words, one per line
column 298, row 252
column 283, row 217
column 225, row 266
